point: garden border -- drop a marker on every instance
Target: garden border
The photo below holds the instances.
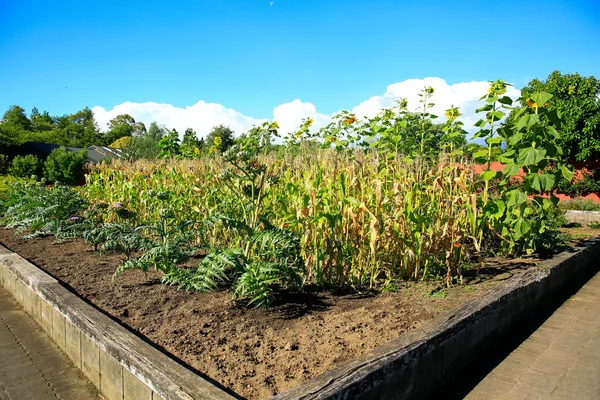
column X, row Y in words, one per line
column 421, row 361
column 119, row 363
column 123, row 366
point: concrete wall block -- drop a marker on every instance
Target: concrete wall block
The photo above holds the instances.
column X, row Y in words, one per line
column 134, row 389
column 73, row 343
column 28, row 300
column 111, row 377
column 47, row 312
column 36, row 308
column 20, row 292
column 90, row 359
column 10, row 283
column 58, row 328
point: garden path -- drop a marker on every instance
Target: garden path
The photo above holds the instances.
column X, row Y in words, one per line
column 31, row 365
column 559, row 360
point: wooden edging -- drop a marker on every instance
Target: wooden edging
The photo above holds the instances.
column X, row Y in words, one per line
column 120, row 364
column 414, row 365
column 123, row 366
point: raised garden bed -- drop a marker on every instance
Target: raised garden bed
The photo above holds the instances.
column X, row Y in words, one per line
column 257, row 353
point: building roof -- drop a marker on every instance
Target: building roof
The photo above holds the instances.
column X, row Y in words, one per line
column 43, row 150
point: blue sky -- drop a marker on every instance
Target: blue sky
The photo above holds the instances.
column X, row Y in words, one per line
column 251, row 56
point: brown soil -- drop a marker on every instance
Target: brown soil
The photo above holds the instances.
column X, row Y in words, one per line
column 254, row 352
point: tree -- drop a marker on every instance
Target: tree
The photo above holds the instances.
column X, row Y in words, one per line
column 121, row 126
column 41, row 121
column 224, row 133
column 14, row 127
column 144, row 145
column 78, row 129
column 15, row 117
column 576, row 100
column 156, row 132
column 190, row 145
column 64, row 166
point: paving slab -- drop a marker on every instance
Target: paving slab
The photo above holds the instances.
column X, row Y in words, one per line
column 31, row 364
column 560, row 360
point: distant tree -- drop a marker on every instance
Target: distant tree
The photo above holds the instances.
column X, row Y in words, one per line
column 156, row 132
column 190, row 145
column 78, row 129
column 14, row 127
column 577, row 100
column 144, row 146
column 224, row 133
column 121, row 143
column 16, row 117
column 121, row 126
column 41, row 121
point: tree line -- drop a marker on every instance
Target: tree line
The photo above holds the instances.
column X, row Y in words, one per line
column 576, row 99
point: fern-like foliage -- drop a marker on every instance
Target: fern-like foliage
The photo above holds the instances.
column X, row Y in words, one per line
column 215, row 269
column 42, row 210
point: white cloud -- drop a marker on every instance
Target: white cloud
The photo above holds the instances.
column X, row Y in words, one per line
column 289, row 116
column 203, row 116
column 464, row 95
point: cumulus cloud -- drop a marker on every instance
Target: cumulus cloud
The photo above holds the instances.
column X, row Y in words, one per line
column 464, row 95
column 290, row 115
column 203, row 116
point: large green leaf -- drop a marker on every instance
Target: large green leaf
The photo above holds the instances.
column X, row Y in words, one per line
column 511, row 169
column 516, row 197
column 527, row 121
column 489, row 175
column 541, row 98
column 565, row 172
column 531, row 156
column 541, row 182
column 522, row 228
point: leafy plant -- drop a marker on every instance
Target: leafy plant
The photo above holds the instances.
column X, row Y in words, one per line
column 26, row 166
column 529, row 147
column 64, row 166
column 167, row 242
column 42, row 210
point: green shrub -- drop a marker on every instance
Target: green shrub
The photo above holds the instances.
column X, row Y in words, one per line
column 588, row 183
column 64, row 166
column 580, row 205
column 26, row 166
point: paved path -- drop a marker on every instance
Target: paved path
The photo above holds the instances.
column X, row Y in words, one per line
column 31, row 365
column 560, row 360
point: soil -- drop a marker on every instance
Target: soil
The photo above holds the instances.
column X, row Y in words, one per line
column 254, row 352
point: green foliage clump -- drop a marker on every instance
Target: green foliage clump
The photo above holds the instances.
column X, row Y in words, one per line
column 26, row 166
column 42, row 210
column 575, row 100
column 64, row 166
column 579, row 204
column 588, row 183
column 224, row 135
